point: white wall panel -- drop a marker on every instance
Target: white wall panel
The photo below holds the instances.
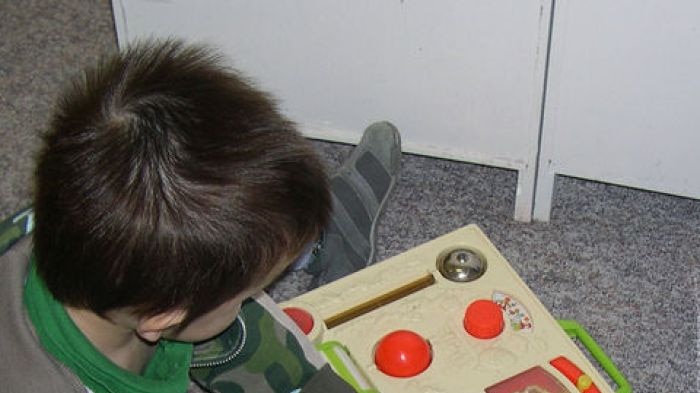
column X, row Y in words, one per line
column 462, row 79
column 623, row 100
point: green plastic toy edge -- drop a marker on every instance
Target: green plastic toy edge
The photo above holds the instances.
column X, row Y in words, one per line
column 326, row 349
column 575, row 330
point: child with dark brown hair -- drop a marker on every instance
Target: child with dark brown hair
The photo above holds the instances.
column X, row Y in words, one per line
column 169, row 191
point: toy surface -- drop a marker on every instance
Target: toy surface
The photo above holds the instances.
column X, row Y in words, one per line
column 448, row 316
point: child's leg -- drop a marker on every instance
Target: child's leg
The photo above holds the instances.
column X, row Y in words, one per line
column 360, row 190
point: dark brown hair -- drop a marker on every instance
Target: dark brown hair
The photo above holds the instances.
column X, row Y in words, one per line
column 167, row 180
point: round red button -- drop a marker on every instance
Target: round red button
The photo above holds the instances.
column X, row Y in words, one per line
column 402, row 353
column 302, row 318
column 483, row 319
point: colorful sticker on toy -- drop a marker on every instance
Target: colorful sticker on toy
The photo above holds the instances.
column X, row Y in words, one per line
column 515, row 312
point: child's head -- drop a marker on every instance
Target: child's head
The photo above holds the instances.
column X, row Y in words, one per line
column 168, row 181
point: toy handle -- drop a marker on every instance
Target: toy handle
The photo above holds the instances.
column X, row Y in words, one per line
column 575, row 330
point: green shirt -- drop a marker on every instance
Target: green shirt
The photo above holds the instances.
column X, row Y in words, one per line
column 166, row 372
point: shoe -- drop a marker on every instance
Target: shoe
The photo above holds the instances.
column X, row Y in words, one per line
column 360, row 190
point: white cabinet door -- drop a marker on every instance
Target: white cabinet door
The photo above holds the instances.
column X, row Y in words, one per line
column 462, row 79
column 623, row 99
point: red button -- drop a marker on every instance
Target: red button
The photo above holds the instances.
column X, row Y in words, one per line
column 483, row 319
column 302, row 318
column 402, row 353
column 574, row 374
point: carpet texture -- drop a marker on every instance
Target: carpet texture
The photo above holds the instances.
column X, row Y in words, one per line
column 622, row 262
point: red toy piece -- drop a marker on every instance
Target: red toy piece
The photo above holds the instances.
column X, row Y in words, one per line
column 574, row 374
column 301, row 317
column 483, row 319
column 402, row 353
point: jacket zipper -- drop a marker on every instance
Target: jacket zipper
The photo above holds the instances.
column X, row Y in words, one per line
column 232, row 355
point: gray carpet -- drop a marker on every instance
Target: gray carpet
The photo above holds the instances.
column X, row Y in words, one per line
column 623, row 262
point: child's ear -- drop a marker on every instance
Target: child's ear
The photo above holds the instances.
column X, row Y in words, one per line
column 152, row 328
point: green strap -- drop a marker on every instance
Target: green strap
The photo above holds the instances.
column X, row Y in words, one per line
column 575, row 330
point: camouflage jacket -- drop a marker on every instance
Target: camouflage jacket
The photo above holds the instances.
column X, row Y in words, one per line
column 262, row 351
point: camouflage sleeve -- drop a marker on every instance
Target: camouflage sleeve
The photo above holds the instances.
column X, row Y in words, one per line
column 262, row 353
column 16, row 227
